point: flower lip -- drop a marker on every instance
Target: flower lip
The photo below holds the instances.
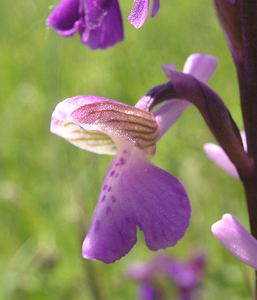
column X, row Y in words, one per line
column 136, row 195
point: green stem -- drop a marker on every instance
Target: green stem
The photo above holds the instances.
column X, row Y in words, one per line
column 89, row 268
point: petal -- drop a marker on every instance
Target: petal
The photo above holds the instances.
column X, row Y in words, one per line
column 236, row 239
column 147, row 291
column 121, row 122
column 156, row 7
column 139, row 13
column 90, row 140
column 220, row 158
column 169, row 68
column 187, row 274
column 104, row 26
column 201, row 66
column 95, row 11
column 168, row 113
column 65, row 18
column 136, row 194
column 140, row 271
column 100, row 125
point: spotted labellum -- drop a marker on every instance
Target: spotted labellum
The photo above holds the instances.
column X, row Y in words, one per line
column 135, row 193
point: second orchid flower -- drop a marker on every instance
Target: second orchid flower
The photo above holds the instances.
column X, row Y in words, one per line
column 99, row 23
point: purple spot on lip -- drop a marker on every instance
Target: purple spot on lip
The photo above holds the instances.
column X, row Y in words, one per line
column 125, row 151
column 113, row 199
column 117, row 164
column 112, row 173
column 116, row 175
column 109, row 189
column 103, row 198
column 105, row 187
column 108, row 210
column 122, row 161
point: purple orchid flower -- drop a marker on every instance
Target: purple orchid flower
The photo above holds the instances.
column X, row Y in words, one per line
column 98, row 22
column 135, row 193
column 236, row 239
column 148, row 291
column 186, row 275
column 220, row 158
column 145, row 275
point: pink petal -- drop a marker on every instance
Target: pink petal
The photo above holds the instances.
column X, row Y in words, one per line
column 220, row 158
column 236, row 239
column 168, row 113
column 136, row 194
column 201, row 66
column 139, row 13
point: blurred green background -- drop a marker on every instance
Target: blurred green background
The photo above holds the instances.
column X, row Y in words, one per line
column 48, row 188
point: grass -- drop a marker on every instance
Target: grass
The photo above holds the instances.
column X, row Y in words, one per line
column 47, row 186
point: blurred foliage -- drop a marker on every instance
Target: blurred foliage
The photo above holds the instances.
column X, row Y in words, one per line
column 47, row 186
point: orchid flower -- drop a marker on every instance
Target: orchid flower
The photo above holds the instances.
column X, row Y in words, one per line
column 148, row 291
column 185, row 274
column 145, row 274
column 135, row 193
column 99, row 23
column 220, row 158
column 236, row 239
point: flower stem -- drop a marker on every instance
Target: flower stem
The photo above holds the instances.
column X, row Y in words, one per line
column 247, row 77
column 90, row 273
column 247, row 72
